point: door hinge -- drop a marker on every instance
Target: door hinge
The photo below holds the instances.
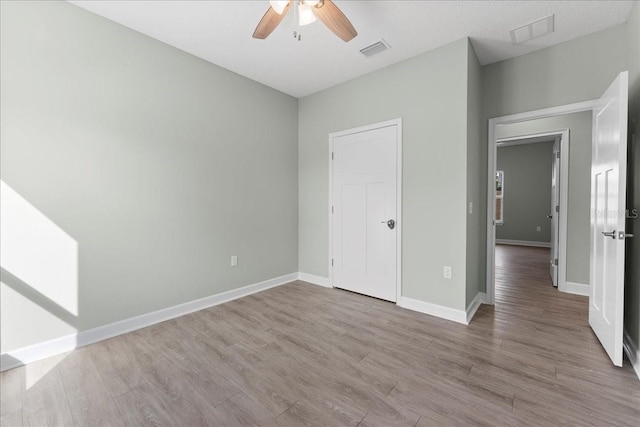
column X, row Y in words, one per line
column 332, row 155
column 558, row 154
column 557, row 208
column 331, row 262
column 555, row 261
column 331, row 209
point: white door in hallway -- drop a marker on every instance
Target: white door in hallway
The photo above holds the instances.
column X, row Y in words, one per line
column 608, row 191
column 365, row 212
column 555, row 210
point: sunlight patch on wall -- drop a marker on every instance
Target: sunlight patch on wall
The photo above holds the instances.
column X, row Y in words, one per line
column 38, row 252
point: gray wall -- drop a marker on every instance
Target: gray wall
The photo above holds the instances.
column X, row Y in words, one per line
column 577, row 70
column 158, row 164
column 527, row 191
column 632, row 286
column 476, row 143
column 429, row 92
column 579, row 197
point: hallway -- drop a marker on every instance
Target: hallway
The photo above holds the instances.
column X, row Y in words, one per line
column 532, row 318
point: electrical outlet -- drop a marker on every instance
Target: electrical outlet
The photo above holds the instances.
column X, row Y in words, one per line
column 538, row 228
column 234, row 260
column 447, row 272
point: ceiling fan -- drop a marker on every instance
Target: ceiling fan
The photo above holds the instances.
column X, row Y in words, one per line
column 307, row 10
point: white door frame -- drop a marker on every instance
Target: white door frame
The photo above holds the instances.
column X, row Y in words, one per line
column 398, row 219
column 491, row 168
column 564, row 192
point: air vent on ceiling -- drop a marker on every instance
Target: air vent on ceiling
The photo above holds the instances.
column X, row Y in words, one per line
column 532, row 30
column 375, row 48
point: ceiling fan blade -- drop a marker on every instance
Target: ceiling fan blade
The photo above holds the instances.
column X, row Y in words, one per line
column 269, row 22
column 335, row 20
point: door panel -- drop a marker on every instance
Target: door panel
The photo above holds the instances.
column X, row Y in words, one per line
column 555, row 214
column 354, row 230
column 608, row 190
column 376, row 231
column 364, row 199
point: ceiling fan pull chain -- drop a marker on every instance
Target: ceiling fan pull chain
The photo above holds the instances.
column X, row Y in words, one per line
column 296, row 18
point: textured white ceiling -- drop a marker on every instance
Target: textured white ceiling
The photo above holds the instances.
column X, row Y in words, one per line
column 220, row 32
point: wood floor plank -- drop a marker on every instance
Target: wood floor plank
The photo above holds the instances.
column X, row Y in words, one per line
column 88, row 399
column 234, row 329
column 315, row 385
column 515, row 364
column 342, row 396
column 611, row 382
column 374, row 420
column 407, row 368
column 239, row 411
column 182, row 365
column 544, row 412
column 44, row 402
column 303, row 413
column 313, row 353
column 452, row 402
column 11, row 386
column 116, row 364
column 11, row 419
column 267, row 387
column 144, row 406
column 192, row 392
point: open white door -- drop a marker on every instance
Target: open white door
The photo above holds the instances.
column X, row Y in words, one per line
column 555, row 211
column 365, row 211
column 608, row 193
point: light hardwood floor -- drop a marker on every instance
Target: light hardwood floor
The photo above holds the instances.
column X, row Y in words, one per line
column 305, row 355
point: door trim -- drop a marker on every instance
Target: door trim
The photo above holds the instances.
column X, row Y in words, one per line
column 398, row 124
column 565, row 142
column 491, row 171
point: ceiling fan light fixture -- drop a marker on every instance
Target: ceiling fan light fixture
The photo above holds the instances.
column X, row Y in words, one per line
column 278, row 5
column 305, row 14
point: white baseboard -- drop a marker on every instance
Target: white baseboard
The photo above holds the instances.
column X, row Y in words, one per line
column 441, row 311
column 56, row 346
column 480, row 298
column 38, row 351
column 575, row 288
column 523, row 243
column 632, row 351
column 315, row 280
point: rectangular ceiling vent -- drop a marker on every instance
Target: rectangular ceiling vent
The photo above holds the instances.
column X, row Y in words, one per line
column 375, row 48
column 532, row 30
